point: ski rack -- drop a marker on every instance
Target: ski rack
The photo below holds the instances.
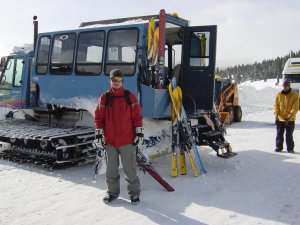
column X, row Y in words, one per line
column 169, row 18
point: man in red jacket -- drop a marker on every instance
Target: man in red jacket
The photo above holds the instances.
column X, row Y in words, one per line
column 119, row 126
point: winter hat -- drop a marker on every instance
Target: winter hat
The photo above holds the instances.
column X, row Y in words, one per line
column 116, row 73
column 286, row 82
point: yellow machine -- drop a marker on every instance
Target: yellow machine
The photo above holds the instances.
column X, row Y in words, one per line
column 227, row 99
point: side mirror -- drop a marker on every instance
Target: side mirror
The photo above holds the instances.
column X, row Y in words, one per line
column 2, row 79
column 3, row 61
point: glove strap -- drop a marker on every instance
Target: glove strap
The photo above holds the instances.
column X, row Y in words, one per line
column 139, row 131
column 140, row 135
column 98, row 134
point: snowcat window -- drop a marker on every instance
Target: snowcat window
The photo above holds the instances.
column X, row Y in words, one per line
column 62, row 54
column 89, row 53
column 199, row 49
column 121, row 50
column 294, row 78
column 295, row 64
column 18, row 72
column 43, row 55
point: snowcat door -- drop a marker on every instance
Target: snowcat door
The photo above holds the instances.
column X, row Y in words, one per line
column 11, row 83
column 198, row 68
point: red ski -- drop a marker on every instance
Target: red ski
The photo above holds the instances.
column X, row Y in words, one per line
column 145, row 165
column 161, row 49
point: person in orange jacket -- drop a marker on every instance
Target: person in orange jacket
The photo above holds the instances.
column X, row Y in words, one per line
column 119, row 128
column 286, row 106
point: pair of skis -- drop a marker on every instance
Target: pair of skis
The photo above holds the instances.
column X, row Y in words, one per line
column 182, row 134
column 145, row 165
column 142, row 161
column 153, row 34
column 156, row 50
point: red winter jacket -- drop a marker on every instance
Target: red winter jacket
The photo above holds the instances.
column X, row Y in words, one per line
column 118, row 119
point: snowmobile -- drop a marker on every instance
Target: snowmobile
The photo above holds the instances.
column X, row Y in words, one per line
column 57, row 85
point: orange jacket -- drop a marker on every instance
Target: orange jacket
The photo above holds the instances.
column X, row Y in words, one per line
column 286, row 105
column 118, row 119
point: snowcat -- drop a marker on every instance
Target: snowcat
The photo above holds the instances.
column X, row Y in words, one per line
column 57, row 85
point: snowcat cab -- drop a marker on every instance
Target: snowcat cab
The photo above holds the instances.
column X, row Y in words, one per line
column 291, row 71
column 15, row 80
column 70, row 70
column 74, row 64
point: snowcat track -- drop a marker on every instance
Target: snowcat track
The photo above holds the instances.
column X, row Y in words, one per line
column 49, row 145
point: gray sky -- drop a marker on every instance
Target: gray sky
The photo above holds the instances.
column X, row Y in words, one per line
column 248, row 30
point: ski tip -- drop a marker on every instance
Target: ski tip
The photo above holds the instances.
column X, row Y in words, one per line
column 203, row 170
column 171, row 189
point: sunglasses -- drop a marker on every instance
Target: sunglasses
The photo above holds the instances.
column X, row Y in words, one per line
column 116, row 79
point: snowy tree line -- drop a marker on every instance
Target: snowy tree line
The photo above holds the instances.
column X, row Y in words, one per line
column 270, row 68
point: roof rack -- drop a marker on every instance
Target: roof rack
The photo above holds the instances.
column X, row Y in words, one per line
column 119, row 20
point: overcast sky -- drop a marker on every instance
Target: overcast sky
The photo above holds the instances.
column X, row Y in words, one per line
column 248, row 30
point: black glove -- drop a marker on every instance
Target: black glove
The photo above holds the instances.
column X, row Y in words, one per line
column 139, row 138
column 99, row 141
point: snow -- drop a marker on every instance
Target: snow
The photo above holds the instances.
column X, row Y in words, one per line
column 258, row 186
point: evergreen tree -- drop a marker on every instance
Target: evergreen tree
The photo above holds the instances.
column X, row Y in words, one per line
column 267, row 69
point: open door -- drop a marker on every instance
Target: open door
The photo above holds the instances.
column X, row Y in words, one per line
column 198, row 68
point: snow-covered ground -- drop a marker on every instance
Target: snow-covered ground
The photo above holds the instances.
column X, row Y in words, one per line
column 258, row 186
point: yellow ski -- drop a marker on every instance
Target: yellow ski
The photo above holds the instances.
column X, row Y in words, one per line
column 151, row 27
column 154, row 46
column 192, row 162
column 182, row 163
column 174, row 170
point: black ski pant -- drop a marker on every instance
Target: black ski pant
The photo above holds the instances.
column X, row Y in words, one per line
column 289, row 129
